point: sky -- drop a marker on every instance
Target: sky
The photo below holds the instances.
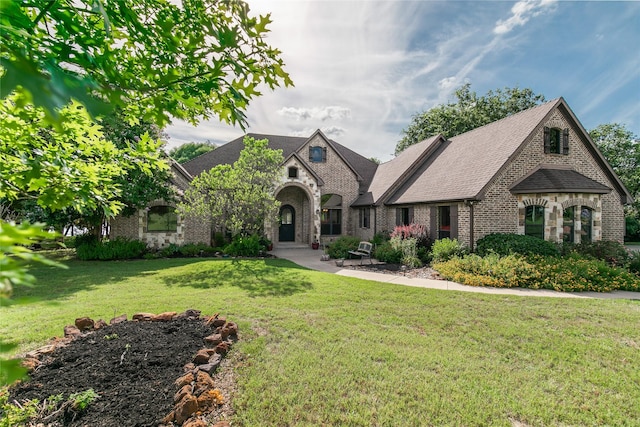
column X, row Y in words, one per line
column 362, row 69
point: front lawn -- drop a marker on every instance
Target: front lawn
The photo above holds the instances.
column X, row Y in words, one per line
column 322, row 349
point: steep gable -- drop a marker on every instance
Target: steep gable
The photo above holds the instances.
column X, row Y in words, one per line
column 392, row 174
column 469, row 161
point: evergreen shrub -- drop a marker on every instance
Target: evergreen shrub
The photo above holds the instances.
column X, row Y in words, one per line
column 506, row 244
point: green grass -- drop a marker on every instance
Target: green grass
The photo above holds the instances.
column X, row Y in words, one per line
column 321, row 349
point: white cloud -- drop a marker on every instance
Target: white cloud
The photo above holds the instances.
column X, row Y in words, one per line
column 318, row 113
column 522, row 11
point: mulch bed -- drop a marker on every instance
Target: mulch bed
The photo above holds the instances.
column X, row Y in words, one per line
column 396, row 269
column 134, row 367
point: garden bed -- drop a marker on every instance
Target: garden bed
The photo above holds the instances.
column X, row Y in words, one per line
column 135, row 368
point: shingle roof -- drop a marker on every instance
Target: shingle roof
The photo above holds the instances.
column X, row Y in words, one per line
column 558, row 180
column 390, row 173
column 230, row 152
column 469, row 161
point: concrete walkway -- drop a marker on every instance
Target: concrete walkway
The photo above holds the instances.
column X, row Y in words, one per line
column 306, row 257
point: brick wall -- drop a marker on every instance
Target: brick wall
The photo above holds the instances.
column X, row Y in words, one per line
column 499, row 211
column 338, row 179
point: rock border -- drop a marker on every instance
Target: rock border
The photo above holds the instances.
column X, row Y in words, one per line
column 196, row 395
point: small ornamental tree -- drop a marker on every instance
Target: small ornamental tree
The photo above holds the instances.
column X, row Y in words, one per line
column 239, row 197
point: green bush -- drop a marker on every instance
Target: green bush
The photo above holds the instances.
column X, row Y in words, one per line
column 506, row 244
column 611, row 252
column 119, row 248
column 193, row 249
column 632, row 225
column 445, row 249
column 386, row 253
column 634, row 262
column 170, row 251
column 248, row 246
column 342, row 245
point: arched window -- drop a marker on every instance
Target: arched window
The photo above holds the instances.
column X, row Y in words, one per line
column 534, row 221
column 586, row 221
column 162, row 218
column 568, row 224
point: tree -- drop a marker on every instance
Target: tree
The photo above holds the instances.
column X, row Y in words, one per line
column 156, row 59
column 469, row 112
column 238, row 198
column 64, row 62
column 190, row 150
column 621, row 148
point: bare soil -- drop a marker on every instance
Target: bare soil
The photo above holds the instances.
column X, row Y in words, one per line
column 132, row 366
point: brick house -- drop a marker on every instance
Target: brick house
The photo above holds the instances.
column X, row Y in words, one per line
column 536, row 172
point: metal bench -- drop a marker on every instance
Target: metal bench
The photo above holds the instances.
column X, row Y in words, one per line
column 364, row 251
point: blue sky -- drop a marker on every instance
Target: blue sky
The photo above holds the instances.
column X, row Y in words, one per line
column 362, row 69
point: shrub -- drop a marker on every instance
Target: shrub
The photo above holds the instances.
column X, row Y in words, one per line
column 505, row 244
column 170, row 251
column 634, row 262
column 611, row 252
column 342, row 245
column 445, row 249
column 408, row 246
column 569, row 274
column 380, row 238
column 192, row 249
column 412, row 231
column 248, row 246
column 386, row 253
column 632, row 226
column 219, row 240
column 492, row 270
column 118, row 248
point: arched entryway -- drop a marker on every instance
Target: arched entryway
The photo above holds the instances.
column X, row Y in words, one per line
column 287, row 229
column 295, row 223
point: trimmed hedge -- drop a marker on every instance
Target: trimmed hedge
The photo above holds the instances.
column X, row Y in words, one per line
column 506, row 244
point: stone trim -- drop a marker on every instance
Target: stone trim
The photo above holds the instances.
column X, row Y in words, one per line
column 579, row 202
column 535, row 202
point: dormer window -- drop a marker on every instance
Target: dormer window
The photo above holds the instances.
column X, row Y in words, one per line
column 317, row 154
column 556, row 141
column 293, row 172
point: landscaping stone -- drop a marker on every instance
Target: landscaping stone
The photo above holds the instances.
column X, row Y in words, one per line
column 213, row 339
column 164, row 317
column 119, row 319
column 143, row 316
column 71, row 331
column 84, row 323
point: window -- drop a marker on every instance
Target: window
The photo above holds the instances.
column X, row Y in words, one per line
column 568, row 224
column 162, row 218
column 556, row 141
column 317, row 154
column 586, row 221
column 444, row 222
column 534, row 221
column 331, row 222
column 365, row 215
column 331, row 217
column 404, row 216
column 293, row 172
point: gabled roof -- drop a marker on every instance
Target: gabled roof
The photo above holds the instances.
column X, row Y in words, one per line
column 392, row 174
column 470, row 161
column 554, row 179
column 230, row 152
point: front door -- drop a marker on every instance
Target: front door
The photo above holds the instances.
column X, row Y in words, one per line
column 287, row 231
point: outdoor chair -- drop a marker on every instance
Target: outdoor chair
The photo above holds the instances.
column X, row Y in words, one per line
column 364, row 251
